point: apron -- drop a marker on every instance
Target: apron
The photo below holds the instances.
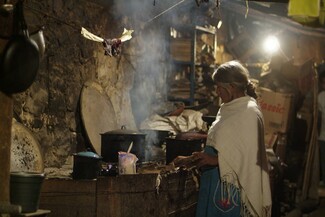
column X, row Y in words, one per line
column 216, row 199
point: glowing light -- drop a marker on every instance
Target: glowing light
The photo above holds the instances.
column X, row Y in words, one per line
column 271, row 44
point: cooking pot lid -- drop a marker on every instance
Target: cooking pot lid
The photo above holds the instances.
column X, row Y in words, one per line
column 88, row 154
column 124, row 131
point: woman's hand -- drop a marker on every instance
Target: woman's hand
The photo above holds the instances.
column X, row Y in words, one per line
column 197, row 159
column 203, row 159
column 183, row 161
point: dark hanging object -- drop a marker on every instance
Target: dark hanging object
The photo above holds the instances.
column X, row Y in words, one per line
column 20, row 59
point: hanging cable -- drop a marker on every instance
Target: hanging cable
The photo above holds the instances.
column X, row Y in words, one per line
column 165, row 11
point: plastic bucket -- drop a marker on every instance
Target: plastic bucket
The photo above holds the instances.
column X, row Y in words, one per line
column 25, row 188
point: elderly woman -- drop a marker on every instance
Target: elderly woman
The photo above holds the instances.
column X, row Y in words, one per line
column 234, row 179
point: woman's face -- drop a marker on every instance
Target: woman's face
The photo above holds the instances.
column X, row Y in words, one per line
column 224, row 91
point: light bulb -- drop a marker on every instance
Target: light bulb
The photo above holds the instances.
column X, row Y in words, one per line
column 271, row 44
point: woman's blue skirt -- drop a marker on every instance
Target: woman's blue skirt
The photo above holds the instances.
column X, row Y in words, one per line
column 216, row 199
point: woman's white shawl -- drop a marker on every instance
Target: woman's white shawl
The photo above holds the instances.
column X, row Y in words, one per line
column 238, row 136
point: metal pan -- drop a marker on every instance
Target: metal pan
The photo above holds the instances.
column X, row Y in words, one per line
column 20, row 59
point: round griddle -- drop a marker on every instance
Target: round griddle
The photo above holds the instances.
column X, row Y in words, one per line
column 26, row 154
column 97, row 113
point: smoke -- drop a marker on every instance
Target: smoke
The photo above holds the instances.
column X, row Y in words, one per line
column 147, row 51
column 149, row 48
column 145, row 10
column 152, row 68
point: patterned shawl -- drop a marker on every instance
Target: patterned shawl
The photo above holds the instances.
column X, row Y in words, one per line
column 238, row 136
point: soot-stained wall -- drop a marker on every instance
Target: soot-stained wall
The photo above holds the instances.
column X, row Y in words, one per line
column 50, row 107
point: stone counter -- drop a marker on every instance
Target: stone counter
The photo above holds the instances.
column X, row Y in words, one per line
column 135, row 195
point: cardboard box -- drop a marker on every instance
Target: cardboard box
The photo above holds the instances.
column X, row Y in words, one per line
column 270, row 138
column 276, row 108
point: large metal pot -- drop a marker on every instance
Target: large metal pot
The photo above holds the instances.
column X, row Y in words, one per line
column 115, row 141
column 155, row 137
column 184, row 145
column 86, row 165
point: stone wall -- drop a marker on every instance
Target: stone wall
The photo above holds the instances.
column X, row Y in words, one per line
column 50, row 107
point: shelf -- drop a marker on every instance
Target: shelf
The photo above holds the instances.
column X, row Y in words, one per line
column 193, row 53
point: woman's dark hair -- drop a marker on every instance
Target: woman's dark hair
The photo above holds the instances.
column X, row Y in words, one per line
column 235, row 73
column 321, row 75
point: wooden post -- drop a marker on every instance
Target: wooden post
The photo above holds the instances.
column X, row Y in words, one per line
column 312, row 144
column 6, row 110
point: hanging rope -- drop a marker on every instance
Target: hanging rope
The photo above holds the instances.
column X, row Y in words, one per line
column 165, row 11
